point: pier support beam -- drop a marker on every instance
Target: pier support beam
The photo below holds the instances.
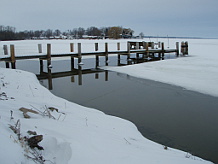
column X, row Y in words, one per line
column 79, row 75
column 49, row 56
column 40, row 48
column 106, row 54
column 146, row 49
column 128, row 54
column 13, row 61
column 79, row 54
column 162, row 48
column 118, row 56
column 41, row 65
column 177, row 49
column 72, row 58
column 137, row 47
column 152, row 47
column 5, row 47
column 96, row 56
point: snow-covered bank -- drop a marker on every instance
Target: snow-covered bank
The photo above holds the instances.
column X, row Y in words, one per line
column 197, row 72
column 71, row 133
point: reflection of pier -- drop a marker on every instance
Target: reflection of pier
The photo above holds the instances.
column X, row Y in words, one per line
column 75, row 72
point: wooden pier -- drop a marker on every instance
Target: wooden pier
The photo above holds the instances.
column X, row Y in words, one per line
column 145, row 49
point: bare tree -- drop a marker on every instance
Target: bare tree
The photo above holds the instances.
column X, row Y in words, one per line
column 141, row 35
column 115, row 32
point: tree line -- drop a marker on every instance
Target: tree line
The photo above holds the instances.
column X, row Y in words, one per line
column 116, row 32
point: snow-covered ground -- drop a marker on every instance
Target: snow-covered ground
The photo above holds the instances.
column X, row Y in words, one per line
column 76, row 134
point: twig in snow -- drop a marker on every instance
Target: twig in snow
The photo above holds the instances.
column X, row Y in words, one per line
column 12, row 115
column 86, row 121
column 31, row 90
column 16, row 128
column 127, row 141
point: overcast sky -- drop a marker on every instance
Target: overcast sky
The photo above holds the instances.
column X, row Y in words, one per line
column 152, row 17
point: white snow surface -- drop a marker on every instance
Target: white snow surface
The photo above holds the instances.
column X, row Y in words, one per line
column 76, row 134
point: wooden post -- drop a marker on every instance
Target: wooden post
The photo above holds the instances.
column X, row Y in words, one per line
column 96, row 56
column 106, row 54
column 128, row 53
column 71, row 47
column 13, row 60
column 177, row 49
column 48, row 56
column 79, row 75
column 40, row 48
column 152, row 47
column 41, row 65
column 96, row 46
column 137, row 47
column 72, row 79
column 72, row 58
column 50, row 86
column 146, row 49
column 106, row 75
column 162, row 48
column 159, row 44
column 118, row 46
column 186, row 44
column 5, row 47
column 96, row 75
column 79, row 53
column 118, row 56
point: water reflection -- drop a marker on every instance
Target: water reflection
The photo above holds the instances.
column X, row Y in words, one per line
column 74, row 72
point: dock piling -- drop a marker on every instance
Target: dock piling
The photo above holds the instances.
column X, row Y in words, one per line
column 13, row 61
column 177, row 49
column 48, row 56
column 162, row 47
column 5, row 47
column 106, row 54
column 72, row 58
column 96, row 56
column 79, row 54
column 40, row 48
column 118, row 55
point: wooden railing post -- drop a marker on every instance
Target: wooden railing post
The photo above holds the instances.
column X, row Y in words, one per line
column 13, row 60
column 5, row 47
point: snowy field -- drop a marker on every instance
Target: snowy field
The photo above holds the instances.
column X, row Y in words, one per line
column 76, row 134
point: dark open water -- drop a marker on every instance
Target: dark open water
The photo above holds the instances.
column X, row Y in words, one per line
column 164, row 113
